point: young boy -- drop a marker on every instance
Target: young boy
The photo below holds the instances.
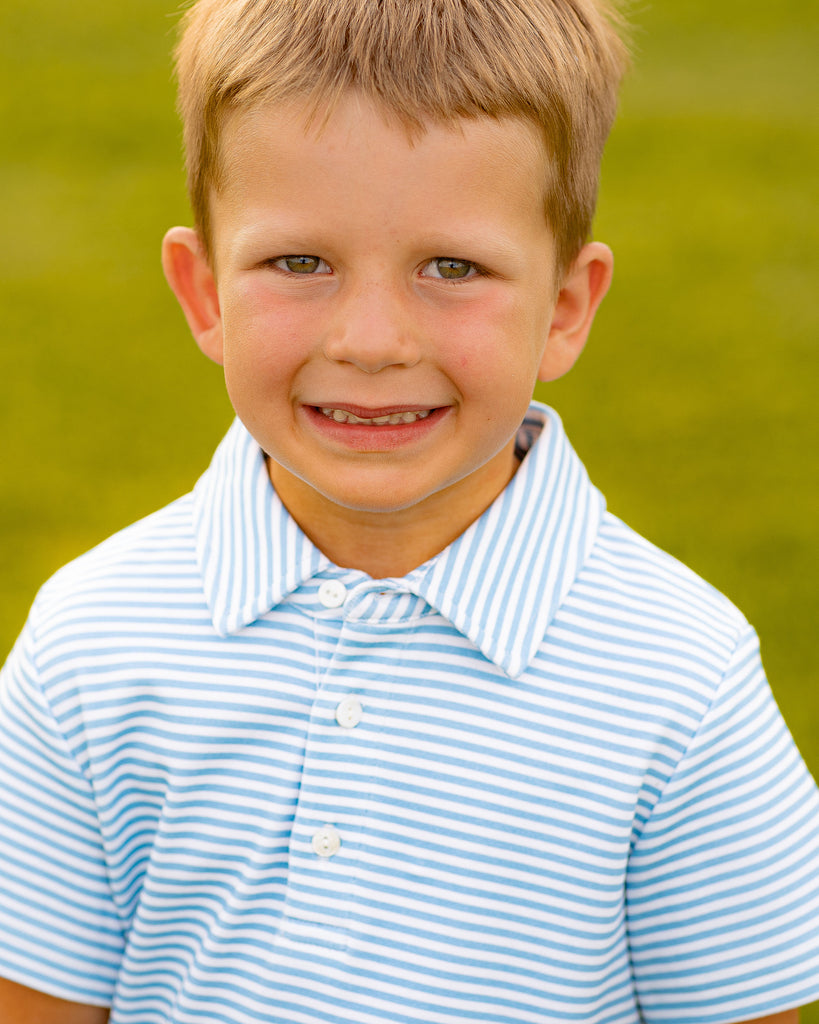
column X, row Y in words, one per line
column 391, row 720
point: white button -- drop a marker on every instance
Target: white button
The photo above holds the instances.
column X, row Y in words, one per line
column 331, row 593
column 349, row 712
column 326, row 841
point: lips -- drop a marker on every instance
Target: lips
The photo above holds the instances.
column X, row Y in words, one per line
column 381, row 420
column 376, row 429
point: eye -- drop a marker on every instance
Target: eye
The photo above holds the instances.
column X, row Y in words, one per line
column 301, row 265
column 450, row 269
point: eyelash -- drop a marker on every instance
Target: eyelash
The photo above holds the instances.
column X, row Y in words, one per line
column 477, row 270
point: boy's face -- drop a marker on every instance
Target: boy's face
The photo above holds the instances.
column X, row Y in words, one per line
column 381, row 306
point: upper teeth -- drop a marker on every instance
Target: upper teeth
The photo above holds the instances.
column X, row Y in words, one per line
column 341, row 416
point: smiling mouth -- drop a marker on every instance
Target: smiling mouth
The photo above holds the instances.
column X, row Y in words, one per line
column 391, row 419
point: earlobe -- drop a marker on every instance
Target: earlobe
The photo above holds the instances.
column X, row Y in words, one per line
column 191, row 279
column 584, row 288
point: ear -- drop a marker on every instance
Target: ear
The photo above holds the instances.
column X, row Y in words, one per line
column 192, row 281
column 583, row 289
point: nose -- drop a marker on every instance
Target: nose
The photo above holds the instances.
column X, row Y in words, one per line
column 372, row 329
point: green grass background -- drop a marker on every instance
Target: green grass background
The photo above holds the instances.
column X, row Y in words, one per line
column 694, row 406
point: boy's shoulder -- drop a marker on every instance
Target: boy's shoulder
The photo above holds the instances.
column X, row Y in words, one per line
column 654, row 598
column 164, row 572
column 134, row 566
column 156, row 555
column 634, row 560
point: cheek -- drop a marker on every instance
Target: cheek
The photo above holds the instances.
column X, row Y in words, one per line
column 491, row 340
column 264, row 334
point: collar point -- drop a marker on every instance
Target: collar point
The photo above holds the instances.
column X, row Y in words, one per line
column 512, row 662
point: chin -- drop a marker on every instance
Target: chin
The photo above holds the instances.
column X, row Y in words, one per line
column 379, row 501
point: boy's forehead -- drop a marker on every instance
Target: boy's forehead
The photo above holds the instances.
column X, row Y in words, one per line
column 328, row 126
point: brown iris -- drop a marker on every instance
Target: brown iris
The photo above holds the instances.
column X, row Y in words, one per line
column 302, row 264
column 452, row 269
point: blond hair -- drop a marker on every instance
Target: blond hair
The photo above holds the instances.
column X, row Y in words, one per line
column 556, row 63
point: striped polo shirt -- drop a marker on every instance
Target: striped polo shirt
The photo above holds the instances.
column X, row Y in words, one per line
column 541, row 778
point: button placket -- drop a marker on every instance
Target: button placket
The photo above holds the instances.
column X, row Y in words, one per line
column 348, row 612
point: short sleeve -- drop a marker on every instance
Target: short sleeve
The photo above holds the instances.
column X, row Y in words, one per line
column 723, row 883
column 59, row 928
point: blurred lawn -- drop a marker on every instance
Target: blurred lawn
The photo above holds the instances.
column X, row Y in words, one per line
column 694, row 407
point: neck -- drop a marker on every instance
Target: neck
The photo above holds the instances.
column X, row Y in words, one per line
column 389, row 543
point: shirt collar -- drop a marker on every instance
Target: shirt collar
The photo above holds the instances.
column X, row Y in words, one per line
column 500, row 583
